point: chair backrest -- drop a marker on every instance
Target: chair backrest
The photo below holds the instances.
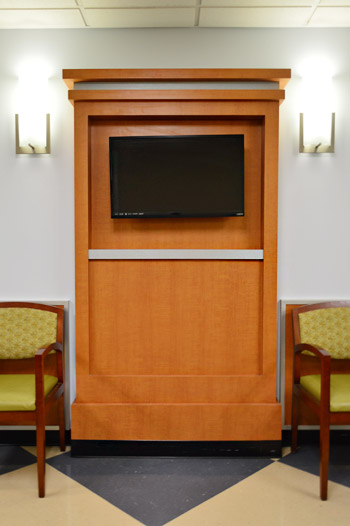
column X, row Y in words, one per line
column 26, row 327
column 326, row 325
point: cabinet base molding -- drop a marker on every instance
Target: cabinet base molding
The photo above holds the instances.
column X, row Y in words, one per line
column 185, row 422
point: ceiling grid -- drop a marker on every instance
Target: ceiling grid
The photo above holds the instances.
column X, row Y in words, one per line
column 173, row 13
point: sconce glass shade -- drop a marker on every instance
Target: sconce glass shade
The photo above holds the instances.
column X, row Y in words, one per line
column 33, row 133
column 316, row 133
column 32, row 115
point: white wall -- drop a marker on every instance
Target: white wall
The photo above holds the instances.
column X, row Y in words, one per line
column 36, row 193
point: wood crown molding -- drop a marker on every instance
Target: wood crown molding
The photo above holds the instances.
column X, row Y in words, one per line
column 70, row 76
column 172, row 95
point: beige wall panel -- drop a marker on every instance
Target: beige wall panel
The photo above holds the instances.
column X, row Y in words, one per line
column 211, row 233
column 175, row 317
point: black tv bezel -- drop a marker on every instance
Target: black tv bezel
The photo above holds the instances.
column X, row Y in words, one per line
column 170, row 214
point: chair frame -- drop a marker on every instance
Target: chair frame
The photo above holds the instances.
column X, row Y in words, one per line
column 51, row 406
column 324, row 365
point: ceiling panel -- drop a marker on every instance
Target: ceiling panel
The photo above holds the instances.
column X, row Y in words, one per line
column 335, row 3
column 36, row 4
column 253, row 17
column 331, row 17
column 41, row 18
column 137, row 3
column 256, row 3
column 181, row 17
column 173, row 13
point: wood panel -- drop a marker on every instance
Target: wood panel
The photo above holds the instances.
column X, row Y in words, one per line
column 136, row 95
column 215, row 233
column 166, row 389
column 175, row 317
column 81, row 195
column 214, row 108
column 107, row 75
column 176, row 350
column 269, row 162
column 176, row 421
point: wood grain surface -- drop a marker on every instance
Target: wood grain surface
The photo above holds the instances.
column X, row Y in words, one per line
column 176, row 350
column 215, row 233
column 175, row 317
column 176, row 421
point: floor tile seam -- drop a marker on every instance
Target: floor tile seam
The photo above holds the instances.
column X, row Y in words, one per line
column 18, row 469
column 29, row 453
column 229, row 489
column 94, row 493
column 304, row 470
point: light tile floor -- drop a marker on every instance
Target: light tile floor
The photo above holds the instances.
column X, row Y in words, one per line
column 134, row 491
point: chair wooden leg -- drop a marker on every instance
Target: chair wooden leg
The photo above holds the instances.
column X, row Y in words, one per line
column 40, row 451
column 62, row 424
column 324, row 456
column 295, row 417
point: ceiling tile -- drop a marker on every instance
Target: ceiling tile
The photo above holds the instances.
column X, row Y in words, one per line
column 40, row 18
column 256, row 3
column 335, row 3
column 98, row 4
column 254, row 17
column 331, row 17
column 36, row 4
column 181, row 17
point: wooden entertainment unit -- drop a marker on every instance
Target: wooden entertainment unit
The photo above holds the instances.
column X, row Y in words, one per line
column 176, row 317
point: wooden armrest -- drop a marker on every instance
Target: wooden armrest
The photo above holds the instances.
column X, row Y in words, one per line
column 40, row 356
column 314, row 349
column 321, row 354
column 46, row 350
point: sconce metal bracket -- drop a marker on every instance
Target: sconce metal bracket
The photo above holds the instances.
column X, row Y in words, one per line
column 318, row 148
column 31, row 149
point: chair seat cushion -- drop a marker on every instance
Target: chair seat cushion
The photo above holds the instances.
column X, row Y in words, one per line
column 340, row 390
column 17, row 391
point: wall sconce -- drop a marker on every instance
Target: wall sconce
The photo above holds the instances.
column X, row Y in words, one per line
column 32, row 120
column 32, row 142
column 317, row 120
column 317, row 141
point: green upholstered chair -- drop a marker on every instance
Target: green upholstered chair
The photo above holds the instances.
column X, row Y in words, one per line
column 31, row 371
column 321, row 383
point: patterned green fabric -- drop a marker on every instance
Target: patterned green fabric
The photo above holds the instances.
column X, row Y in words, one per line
column 17, row 391
column 23, row 331
column 327, row 328
column 340, row 390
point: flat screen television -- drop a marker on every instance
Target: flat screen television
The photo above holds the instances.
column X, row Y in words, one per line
column 177, row 176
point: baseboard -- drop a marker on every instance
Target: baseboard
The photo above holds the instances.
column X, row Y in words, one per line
column 311, row 436
column 82, row 448
column 267, row 448
column 28, row 437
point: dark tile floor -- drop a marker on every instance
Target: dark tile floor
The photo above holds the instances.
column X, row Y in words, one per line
column 14, row 457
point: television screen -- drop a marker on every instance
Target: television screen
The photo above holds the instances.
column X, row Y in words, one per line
column 177, row 176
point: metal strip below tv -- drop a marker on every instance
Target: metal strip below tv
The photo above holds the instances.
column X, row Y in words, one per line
column 176, row 254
